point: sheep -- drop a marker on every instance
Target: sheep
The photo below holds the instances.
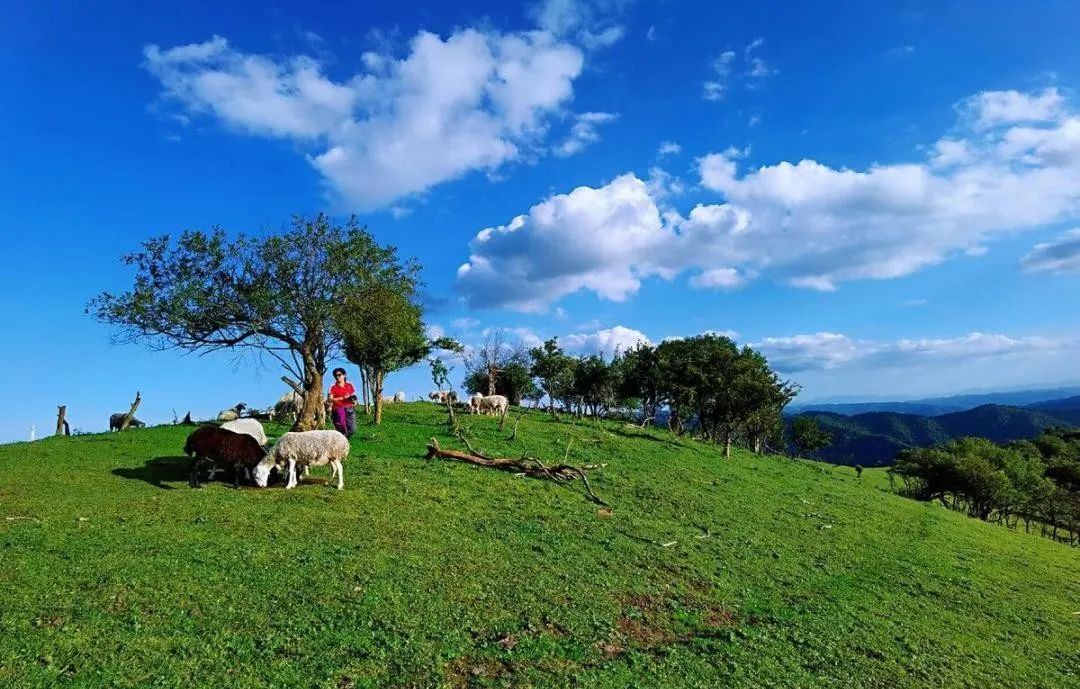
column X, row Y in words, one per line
column 443, row 396
column 116, row 420
column 232, row 414
column 250, row 427
column 210, row 443
column 399, row 397
column 305, row 448
column 496, row 404
column 474, row 403
column 288, row 406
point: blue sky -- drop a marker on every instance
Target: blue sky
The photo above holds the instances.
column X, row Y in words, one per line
column 884, row 200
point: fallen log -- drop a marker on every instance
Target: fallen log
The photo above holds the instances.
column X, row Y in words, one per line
column 529, row 466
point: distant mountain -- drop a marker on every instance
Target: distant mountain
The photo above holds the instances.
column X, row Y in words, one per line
column 852, row 408
column 874, row 438
column 933, row 406
column 1067, row 409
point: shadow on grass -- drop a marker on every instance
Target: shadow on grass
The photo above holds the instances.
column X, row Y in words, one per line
column 159, row 471
column 641, row 434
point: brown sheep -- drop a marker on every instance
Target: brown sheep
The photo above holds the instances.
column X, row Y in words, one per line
column 210, row 443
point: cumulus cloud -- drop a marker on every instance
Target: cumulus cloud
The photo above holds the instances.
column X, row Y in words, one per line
column 607, row 342
column 805, row 223
column 594, row 239
column 826, row 351
column 996, row 108
column 474, row 100
column 1062, row 255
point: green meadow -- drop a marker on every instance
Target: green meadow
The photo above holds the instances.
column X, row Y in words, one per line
column 756, row 571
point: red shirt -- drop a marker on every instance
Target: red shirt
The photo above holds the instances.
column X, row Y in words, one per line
column 344, row 390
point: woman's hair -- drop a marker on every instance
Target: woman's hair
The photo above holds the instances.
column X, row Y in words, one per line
column 337, row 371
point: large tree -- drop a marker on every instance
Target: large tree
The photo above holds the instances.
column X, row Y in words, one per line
column 383, row 331
column 272, row 294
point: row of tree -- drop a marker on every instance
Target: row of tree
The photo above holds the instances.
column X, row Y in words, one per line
column 1034, row 481
column 317, row 291
column 705, row 384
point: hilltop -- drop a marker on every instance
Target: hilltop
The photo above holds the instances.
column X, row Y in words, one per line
column 749, row 572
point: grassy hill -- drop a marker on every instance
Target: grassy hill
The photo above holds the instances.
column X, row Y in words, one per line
column 753, row 572
column 873, row 439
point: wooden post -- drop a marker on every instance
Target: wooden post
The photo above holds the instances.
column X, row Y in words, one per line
column 62, row 427
column 131, row 413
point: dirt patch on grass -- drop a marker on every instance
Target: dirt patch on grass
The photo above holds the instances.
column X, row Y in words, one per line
column 466, row 672
column 649, row 623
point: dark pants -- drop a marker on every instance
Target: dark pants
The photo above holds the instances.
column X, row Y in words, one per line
column 344, row 420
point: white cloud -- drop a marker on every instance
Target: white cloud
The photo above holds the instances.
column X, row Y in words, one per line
column 590, row 24
column 606, row 342
column 718, row 278
column 716, row 88
column 583, row 132
column 826, row 351
column 1059, row 256
column 650, row 35
column 474, row 100
column 587, row 239
column 804, row 223
column 996, row 108
column 757, row 68
column 668, row 148
column 754, row 121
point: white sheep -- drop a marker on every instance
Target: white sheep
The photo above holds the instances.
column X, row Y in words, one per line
column 474, row 403
column 231, row 414
column 399, row 397
column 304, row 449
column 250, row 427
column 287, row 407
column 496, row 404
column 443, row 396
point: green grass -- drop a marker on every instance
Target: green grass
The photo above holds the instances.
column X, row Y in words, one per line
column 427, row 573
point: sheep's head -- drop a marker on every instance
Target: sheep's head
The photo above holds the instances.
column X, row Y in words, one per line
column 262, row 470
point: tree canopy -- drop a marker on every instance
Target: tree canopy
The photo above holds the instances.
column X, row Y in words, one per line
column 273, row 294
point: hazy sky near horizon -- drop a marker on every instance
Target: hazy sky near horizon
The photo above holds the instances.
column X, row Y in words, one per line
column 882, row 198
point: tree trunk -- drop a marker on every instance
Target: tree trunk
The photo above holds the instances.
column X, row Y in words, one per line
column 131, row 412
column 61, row 422
column 727, row 446
column 364, row 389
column 313, row 408
column 492, row 371
column 377, row 377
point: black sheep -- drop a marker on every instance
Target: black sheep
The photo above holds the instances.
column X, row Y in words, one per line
column 210, row 443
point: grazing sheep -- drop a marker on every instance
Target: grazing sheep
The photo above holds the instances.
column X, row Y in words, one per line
column 496, row 404
column 474, row 403
column 250, row 427
column 304, row 449
column 443, row 396
column 232, row 414
column 213, row 444
column 399, row 397
column 288, row 407
column 116, row 420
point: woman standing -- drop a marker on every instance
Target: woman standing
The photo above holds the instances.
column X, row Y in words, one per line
column 343, row 397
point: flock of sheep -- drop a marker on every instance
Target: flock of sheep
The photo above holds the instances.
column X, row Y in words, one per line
column 241, row 442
